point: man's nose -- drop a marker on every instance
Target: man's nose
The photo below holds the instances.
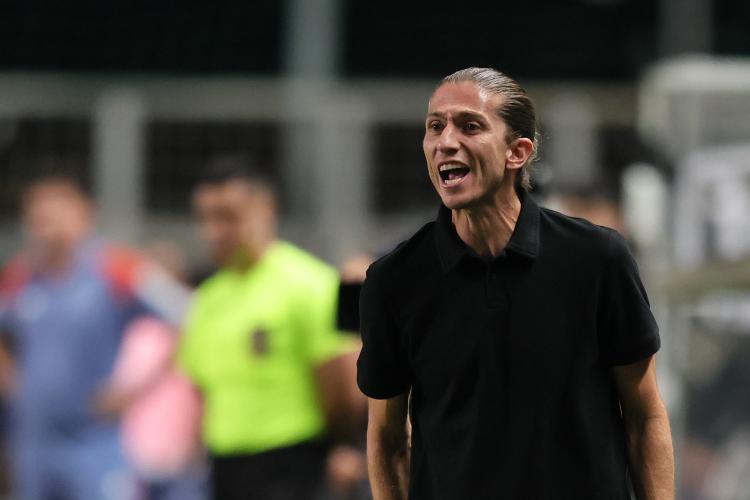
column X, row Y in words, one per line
column 448, row 140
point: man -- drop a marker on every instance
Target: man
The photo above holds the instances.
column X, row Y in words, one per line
column 64, row 303
column 519, row 339
column 262, row 347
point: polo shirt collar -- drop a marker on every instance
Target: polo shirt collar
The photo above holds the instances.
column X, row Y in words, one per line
column 524, row 241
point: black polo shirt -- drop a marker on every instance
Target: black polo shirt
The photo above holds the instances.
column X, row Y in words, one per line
column 509, row 361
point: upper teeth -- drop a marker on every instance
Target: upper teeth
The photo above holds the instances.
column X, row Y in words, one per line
column 451, row 166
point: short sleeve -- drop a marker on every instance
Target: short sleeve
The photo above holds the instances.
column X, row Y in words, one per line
column 627, row 329
column 323, row 340
column 382, row 370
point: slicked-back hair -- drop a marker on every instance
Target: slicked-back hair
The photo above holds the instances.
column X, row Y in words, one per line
column 516, row 108
column 53, row 172
column 235, row 167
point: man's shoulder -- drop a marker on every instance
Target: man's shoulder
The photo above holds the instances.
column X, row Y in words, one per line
column 562, row 232
column 286, row 266
column 220, row 283
column 120, row 266
column 407, row 258
column 299, row 268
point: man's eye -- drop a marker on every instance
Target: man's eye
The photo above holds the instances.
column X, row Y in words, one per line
column 436, row 126
column 472, row 126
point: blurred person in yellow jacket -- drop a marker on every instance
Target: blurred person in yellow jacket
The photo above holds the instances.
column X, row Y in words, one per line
column 261, row 344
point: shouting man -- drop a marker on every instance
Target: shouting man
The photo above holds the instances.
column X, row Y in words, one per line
column 520, row 341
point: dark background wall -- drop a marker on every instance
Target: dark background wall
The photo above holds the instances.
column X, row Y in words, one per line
column 560, row 39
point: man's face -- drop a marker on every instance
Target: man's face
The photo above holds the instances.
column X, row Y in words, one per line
column 232, row 218
column 465, row 145
column 55, row 218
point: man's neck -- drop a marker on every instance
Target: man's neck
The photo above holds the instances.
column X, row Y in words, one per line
column 249, row 256
column 52, row 263
column 487, row 228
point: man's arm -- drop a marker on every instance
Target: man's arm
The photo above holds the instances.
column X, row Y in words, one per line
column 388, row 448
column 647, row 426
column 343, row 404
column 7, row 368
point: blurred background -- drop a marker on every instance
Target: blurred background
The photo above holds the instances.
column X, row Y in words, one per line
column 645, row 110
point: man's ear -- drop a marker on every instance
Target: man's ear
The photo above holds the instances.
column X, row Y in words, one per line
column 518, row 153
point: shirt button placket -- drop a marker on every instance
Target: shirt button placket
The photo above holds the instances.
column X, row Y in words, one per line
column 493, row 289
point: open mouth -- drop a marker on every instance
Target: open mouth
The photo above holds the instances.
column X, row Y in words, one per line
column 453, row 173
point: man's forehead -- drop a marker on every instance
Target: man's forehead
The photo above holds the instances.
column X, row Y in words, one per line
column 464, row 97
column 231, row 191
column 53, row 192
column 222, row 189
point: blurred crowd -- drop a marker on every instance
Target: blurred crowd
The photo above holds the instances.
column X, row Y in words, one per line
column 127, row 375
